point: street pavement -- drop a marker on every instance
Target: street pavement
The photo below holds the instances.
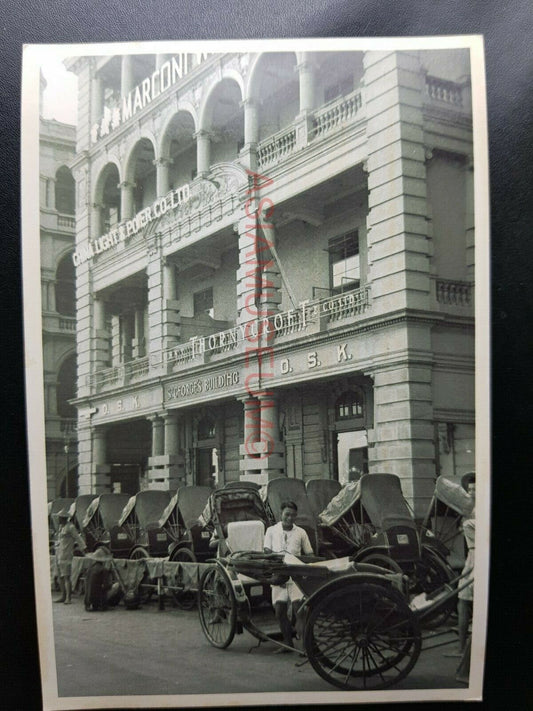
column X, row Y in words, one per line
column 151, row 651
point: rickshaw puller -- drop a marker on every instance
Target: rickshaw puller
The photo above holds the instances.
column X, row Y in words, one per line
column 286, row 537
column 67, row 537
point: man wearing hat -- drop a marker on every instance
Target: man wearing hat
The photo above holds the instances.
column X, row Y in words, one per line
column 67, row 536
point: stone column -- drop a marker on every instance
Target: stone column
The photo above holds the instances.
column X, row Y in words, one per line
column 162, row 175
column 203, row 148
column 171, row 310
column 158, row 435
column 399, row 269
column 306, row 73
column 262, row 454
column 96, row 227
column 101, row 482
column 126, row 75
column 126, row 199
column 160, row 59
column 97, row 98
column 248, row 154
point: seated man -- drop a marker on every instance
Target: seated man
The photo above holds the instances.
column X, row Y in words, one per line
column 286, row 537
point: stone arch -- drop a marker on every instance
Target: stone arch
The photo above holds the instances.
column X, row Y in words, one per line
column 178, row 145
column 140, row 171
column 222, row 120
column 106, row 196
column 274, row 85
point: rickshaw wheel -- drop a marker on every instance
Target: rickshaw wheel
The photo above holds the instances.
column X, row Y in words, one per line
column 381, row 560
column 362, row 636
column 430, row 574
column 185, row 598
column 145, row 589
column 217, row 607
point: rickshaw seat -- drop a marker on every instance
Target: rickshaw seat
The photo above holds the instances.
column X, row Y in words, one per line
column 245, row 536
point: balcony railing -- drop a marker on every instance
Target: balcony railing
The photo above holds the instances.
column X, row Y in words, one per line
column 66, row 221
column 448, row 92
column 317, row 315
column 276, row 147
column 454, row 293
column 335, row 114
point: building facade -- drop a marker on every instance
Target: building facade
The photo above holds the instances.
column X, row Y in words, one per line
column 274, row 267
column 57, row 148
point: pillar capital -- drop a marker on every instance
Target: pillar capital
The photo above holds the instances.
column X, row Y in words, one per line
column 126, row 185
column 162, row 162
column 203, row 133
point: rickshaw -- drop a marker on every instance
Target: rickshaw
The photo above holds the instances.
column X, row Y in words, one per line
column 373, row 519
column 284, row 489
column 102, row 515
column 138, row 533
column 78, row 509
column 231, row 504
column 359, row 632
column 441, row 528
column 189, row 541
column 320, row 492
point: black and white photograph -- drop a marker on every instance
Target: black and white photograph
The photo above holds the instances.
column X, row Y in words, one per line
column 256, row 305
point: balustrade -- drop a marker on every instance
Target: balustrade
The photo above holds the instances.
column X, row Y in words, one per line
column 276, row 147
column 448, row 92
column 336, row 114
column 454, row 293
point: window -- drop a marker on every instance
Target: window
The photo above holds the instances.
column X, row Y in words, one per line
column 65, row 287
column 349, row 405
column 344, row 263
column 65, row 191
column 206, row 428
column 203, row 303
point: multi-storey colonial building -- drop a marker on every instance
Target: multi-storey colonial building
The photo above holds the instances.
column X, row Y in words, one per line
column 275, row 268
column 57, row 143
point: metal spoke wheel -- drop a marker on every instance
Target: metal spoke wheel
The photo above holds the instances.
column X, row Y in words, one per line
column 362, row 636
column 145, row 588
column 186, row 599
column 430, row 574
column 217, row 607
column 381, row 560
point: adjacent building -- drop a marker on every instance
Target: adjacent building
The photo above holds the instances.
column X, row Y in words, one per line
column 57, row 148
column 274, row 268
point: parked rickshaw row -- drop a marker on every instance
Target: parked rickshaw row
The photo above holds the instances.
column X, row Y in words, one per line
column 375, row 582
column 368, row 520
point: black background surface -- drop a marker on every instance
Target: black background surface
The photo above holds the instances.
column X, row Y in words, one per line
column 507, row 28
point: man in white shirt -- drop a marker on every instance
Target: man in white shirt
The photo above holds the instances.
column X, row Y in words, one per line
column 286, row 537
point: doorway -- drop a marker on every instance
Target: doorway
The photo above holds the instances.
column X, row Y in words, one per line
column 207, row 467
column 351, row 454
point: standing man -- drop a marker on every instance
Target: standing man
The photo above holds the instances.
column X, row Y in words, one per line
column 67, row 536
column 286, row 537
